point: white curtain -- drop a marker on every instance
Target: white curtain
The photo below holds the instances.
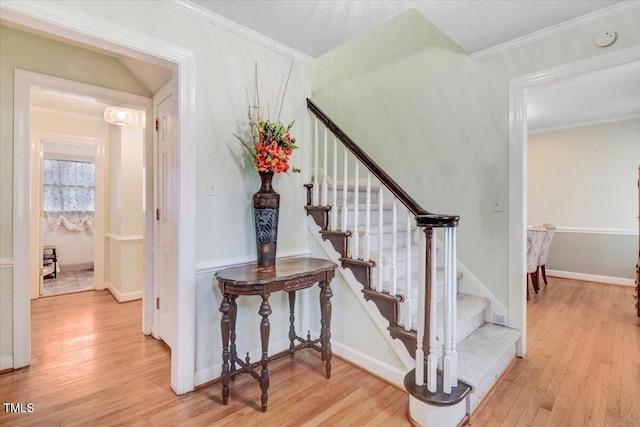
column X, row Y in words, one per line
column 69, row 194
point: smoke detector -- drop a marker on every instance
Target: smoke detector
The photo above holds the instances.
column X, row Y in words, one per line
column 605, row 38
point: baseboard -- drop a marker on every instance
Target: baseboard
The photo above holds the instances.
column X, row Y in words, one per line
column 80, row 266
column 212, row 373
column 6, row 363
column 363, row 361
column 123, row 297
column 375, row 367
column 591, row 278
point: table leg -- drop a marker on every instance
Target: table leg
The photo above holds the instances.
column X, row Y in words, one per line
column 265, row 311
column 225, row 326
column 325, row 322
column 233, row 352
column 292, row 328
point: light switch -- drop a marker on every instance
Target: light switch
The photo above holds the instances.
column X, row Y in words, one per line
column 497, row 204
column 211, row 188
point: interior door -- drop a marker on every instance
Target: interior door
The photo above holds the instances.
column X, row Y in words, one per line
column 165, row 253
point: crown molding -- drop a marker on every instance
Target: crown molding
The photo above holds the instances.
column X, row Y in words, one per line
column 585, row 123
column 599, row 15
column 238, row 29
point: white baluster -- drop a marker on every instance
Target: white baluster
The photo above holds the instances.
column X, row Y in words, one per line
column 367, row 228
column 409, row 299
column 324, row 166
column 432, row 359
column 380, row 224
column 356, row 235
column 334, row 206
column 421, row 312
column 454, row 309
column 345, row 206
column 447, row 361
column 316, row 190
column 394, row 249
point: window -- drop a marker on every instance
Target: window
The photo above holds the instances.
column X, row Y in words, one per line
column 69, row 194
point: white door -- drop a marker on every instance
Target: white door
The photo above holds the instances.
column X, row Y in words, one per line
column 164, row 247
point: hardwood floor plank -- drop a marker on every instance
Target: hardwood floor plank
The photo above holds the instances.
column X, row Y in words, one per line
column 589, row 334
column 91, row 365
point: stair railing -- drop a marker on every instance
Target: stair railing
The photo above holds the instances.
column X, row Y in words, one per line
column 426, row 368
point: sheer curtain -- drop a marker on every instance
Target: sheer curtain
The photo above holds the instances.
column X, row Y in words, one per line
column 69, row 194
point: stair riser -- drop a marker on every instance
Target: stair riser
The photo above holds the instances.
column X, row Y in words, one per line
column 362, row 216
column 373, row 244
column 362, row 196
column 468, row 320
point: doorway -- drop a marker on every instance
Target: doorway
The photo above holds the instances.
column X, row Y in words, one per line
column 67, row 187
column 518, row 89
column 110, row 37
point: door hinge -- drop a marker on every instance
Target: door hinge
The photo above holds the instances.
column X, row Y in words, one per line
column 158, row 303
column 158, row 214
column 41, row 271
column 157, row 125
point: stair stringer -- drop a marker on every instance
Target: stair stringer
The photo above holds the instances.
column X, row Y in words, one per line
column 369, row 306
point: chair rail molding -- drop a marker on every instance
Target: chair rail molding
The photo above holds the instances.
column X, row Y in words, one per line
column 609, row 231
column 59, row 20
column 6, row 262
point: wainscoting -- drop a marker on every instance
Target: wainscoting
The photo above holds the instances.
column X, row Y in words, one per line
column 125, row 269
column 596, row 255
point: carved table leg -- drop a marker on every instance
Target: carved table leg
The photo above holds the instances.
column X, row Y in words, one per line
column 292, row 328
column 233, row 353
column 325, row 320
column 225, row 326
column 265, row 311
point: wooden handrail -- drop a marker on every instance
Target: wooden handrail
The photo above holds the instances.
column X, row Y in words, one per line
column 424, row 218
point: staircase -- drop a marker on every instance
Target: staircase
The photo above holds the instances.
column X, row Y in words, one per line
column 378, row 233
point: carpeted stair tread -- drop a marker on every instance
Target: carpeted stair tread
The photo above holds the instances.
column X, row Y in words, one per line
column 484, row 355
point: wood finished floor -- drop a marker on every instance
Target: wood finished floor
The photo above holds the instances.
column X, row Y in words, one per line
column 582, row 367
column 92, row 366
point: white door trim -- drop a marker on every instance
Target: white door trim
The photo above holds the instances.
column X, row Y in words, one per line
column 58, row 20
column 518, row 172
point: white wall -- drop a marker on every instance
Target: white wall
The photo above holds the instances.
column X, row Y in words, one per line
column 584, row 180
column 125, row 265
column 585, row 177
column 72, row 247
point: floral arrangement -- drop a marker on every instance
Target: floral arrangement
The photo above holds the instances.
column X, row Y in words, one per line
column 271, row 142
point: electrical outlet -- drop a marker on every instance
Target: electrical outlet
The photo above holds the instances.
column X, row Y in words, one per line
column 500, row 319
column 212, row 190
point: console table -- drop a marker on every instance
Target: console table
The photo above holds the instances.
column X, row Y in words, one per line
column 289, row 275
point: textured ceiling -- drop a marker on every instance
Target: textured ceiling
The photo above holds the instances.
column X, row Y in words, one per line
column 315, row 27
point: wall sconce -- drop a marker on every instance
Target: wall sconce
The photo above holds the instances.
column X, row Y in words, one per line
column 120, row 116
